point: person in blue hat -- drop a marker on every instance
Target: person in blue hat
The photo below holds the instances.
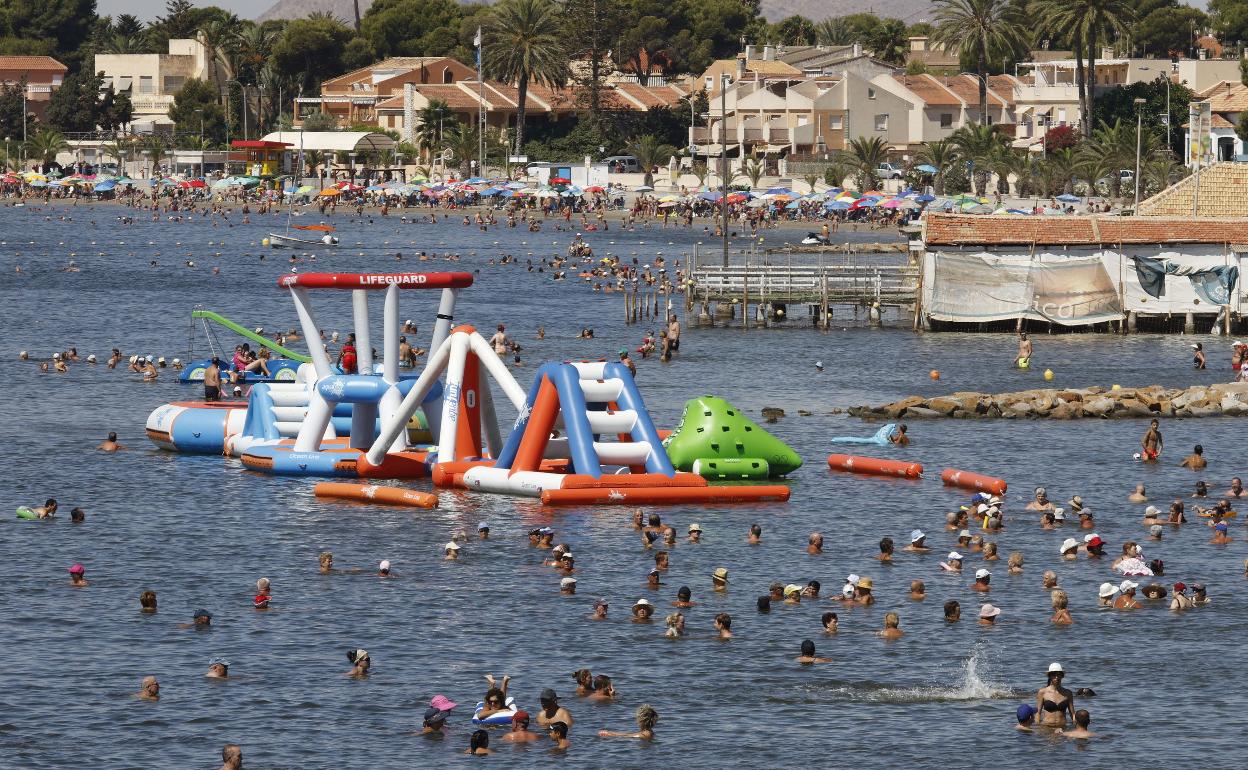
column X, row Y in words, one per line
column 1026, row 717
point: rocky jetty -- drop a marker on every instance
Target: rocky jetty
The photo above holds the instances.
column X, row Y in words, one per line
column 1230, row 400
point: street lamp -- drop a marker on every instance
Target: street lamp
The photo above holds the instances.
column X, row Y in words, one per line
column 1139, row 126
column 200, row 113
column 1166, row 77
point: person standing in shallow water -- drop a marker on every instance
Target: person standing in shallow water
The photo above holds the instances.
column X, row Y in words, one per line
column 1054, row 703
column 1152, row 443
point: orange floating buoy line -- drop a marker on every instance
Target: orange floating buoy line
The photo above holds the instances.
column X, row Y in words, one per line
column 967, row 480
column 874, row 466
column 373, row 493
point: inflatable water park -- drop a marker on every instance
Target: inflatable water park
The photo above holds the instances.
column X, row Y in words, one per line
column 582, row 435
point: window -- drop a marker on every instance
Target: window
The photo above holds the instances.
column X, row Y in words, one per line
column 881, row 122
column 173, row 84
column 870, row 93
column 988, row 120
column 710, row 84
column 834, row 122
column 145, row 84
column 946, row 120
column 1061, row 116
column 447, row 75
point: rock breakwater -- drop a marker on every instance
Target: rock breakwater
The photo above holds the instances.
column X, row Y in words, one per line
column 1230, row 400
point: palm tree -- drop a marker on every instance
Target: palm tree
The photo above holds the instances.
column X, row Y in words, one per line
column 118, row 43
column 650, row 152
column 1063, row 165
column 700, row 171
column 979, row 144
column 811, row 180
column 118, row 150
column 981, row 30
column 1110, row 149
column 834, row 31
column 154, row 147
column 1085, row 23
column 940, row 155
column 45, row 145
column 430, row 121
column 524, row 43
column 867, row 154
column 753, row 169
column 461, row 140
column 219, row 39
column 314, row 159
column 838, row 167
column 890, row 41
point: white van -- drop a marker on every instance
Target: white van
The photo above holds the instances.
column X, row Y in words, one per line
column 626, row 164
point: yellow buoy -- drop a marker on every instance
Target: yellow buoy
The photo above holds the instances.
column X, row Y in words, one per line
column 1116, row 387
column 1048, row 374
column 264, row 242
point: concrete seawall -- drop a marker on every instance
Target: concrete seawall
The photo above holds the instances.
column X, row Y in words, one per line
column 1229, row 400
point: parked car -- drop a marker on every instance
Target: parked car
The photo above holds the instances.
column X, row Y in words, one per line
column 890, row 171
column 625, row 164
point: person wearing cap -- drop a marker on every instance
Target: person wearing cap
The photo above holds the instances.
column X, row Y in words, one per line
column 1199, row 596
column 451, row 549
column 792, row 594
column 814, row 544
column 1180, row 599
column 628, row 362
column 1220, row 535
column 982, row 579
column 862, row 592
column 1054, row 703
column 1196, row 460
column 719, row 579
column 148, row 369
column 1152, row 515
column 1094, row 546
column 652, row 579
column 642, row 611
column 695, row 533
column 567, row 585
column 918, row 591
column 1069, row 548
column 383, row 569
column 952, row 562
column 683, row 596
column 964, row 539
column 756, row 534
column 1126, row 597
column 1106, row 593
column 808, row 654
column 483, row 531
column 218, row 668
column 149, row 689
column 600, row 610
column 1041, row 501
column 551, row 711
column 988, row 615
column 1198, row 355
column 110, row 444
column 520, row 732
column 360, row 663
column 892, row 623
column 78, row 576
column 917, row 542
column 1026, row 718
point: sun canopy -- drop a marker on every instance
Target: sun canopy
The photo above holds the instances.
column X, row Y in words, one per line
column 334, row 141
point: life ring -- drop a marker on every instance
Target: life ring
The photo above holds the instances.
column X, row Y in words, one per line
column 24, row 512
column 498, row 718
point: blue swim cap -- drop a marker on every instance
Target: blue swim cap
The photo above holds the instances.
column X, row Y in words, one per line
column 1025, row 712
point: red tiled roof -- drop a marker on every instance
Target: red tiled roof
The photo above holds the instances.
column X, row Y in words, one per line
column 650, row 97
column 929, row 90
column 455, row 97
column 1005, row 230
column 393, row 103
column 31, row 63
column 967, row 87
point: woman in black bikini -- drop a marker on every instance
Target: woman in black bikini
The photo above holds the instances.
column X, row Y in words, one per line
column 1054, row 702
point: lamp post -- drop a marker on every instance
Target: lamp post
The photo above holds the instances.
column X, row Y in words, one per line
column 1139, row 126
column 200, row 113
column 723, row 156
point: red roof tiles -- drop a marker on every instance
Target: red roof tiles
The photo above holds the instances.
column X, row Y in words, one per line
column 1006, row 230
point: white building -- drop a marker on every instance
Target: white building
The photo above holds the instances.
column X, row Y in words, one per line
column 152, row 79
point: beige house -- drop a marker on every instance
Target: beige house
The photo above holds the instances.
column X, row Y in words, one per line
column 152, row 79
column 356, row 97
column 941, row 104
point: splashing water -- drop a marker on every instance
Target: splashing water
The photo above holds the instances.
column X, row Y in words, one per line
column 971, row 686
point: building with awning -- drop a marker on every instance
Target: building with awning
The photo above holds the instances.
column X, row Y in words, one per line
column 346, row 151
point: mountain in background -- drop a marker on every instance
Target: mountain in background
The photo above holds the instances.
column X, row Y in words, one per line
column 909, row 11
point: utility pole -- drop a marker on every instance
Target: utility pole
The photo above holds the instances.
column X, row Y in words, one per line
column 723, row 156
column 480, row 108
column 1139, row 127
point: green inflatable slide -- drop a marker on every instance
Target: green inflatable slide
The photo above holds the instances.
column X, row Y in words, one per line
column 716, row 441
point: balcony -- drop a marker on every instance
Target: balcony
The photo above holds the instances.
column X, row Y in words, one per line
column 151, row 103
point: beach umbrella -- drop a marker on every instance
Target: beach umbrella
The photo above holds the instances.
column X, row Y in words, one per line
column 329, row 192
column 779, row 191
column 560, row 180
column 1068, row 198
column 925, row 199
column 927, row 169
column 794, row 205
column 737, row 198
column 643, row 188
column 713, row 197
column 516, row 185
column 106, row 185
column 594, row 189
column 838, row 205
column 476, row 180
column 1018, row 211
column 978, row 208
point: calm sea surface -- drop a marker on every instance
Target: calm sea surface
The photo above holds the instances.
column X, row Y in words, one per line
column 200, row 530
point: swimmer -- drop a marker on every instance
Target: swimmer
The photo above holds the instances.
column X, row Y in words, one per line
column 756, row 534
column 551, row 710
column 982, row 579
column 1015, row 564
column 520, row 732
column 451, row 550
column 1199, row 596
column 1152, row 442
column 719, row 579
column 675, row 623
column 899, row 437
column 435, row 716
column 147, row 602
column 990, row 552
column 808, row 654
column 723, row 625
column 695, row 533
column 360, row 663
column 149, row 689
column 683, row 596
column 1202, row 489
column 218, row 668
column 642, row 611
column 953, row 611
column 917, row 542
column 600, row 610
column 1138, row 496
column 1069, row 549
column 646, row 718
column 483, row 531
column 1041, row 501
column 1023, row 359
column 1198, row 356
column 1236, row 490
column 1061, row 609
column 918, row 591
column 952, row 562
column 862, row 592
column 383, row 569
column 232, row 757
column 1026, row 718
column 602, row 688
column 763, row 605
column 1082, row 720
column 830, row 622
column 78, row 576
column 814, row 544
column 1180, row 600
column 1105, row 595
column 988, row 615
column 1053, row 701
column 567, row 586
column 891, row 629
column 48, row 509
column 1196, row 460
column 886, row 549
column 110, row 444
column 479, row 743
column 326, row 563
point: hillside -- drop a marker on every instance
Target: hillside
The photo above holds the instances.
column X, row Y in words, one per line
column 910, row 11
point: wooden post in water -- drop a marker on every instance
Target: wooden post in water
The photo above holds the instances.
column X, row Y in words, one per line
column 745, row 294
column 627, row 317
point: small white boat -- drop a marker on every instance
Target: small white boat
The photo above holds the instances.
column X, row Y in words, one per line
column 277, row 241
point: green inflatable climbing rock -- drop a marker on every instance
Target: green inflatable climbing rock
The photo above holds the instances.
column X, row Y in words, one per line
column 717, row 441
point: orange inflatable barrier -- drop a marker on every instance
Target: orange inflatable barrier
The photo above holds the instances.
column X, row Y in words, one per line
column 874, row 466
column 967, row 480
column 660, row 495
column 371, row 493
